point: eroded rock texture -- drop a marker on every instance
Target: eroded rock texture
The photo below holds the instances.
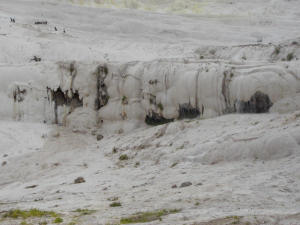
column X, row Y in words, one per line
column 61, row 98
column 102, row 94
column 259, row 103
column 154, row 118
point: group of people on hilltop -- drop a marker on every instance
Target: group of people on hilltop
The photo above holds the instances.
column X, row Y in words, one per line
column 13, row 20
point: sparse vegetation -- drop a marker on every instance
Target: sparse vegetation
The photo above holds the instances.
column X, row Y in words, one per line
column 277, row 50
column 236, row 219
column 160, row 106
column 114, row 150
column 290, row 56
column 114, row 198
column 123, row 157
column 58, row 220
column 152, row 100
column 174, row 164
column 24, row 214
column 84, row 212
column 115, row 204
column 124, row 100
column 145, row 217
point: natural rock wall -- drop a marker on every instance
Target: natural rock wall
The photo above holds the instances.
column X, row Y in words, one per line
column 114, row 95
column 160, row 91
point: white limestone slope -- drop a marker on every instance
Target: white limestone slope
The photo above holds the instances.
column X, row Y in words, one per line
column 239, row 165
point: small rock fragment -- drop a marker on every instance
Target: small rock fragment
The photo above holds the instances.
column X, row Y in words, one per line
column 174, row 186
column 99, row 137
column 78, row 131
column 79, row 180
column 4, row 163
column 31, row 186
column 114, row 150
column 186, row 184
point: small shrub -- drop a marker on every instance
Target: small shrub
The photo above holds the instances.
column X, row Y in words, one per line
column 123, row 157
column 277, row 50
column 115, row 204
column 290, row 56
column 58, row 220
column 114, row 150
column 160, row 106
column 124, row 100
column 174, row 164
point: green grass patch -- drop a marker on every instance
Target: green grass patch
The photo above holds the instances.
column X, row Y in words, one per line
column 58, row 220
column 290, row 56
column 115, row 204
column 123, row 157
column 124, row 100
column 84, row 212
column 277, row 50
column 145, row 217
column 174, row 164
column 24, row 214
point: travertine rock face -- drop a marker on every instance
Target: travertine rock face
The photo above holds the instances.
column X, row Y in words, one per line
column 161, row 91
